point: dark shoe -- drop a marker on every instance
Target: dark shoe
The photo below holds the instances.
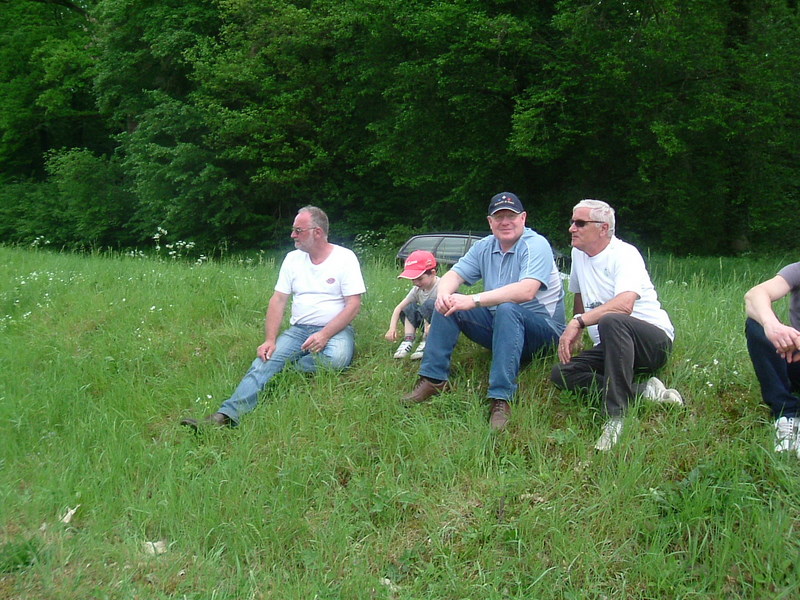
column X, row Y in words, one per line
column 424, row 390
column 217, row 420
column 498, row 418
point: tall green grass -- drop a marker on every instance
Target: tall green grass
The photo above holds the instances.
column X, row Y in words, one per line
column 331, row 488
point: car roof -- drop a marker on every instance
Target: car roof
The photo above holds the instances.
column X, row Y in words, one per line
column 449, row 253
column 446, row 246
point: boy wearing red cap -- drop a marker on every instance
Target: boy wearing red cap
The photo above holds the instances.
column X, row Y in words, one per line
column 416, row 308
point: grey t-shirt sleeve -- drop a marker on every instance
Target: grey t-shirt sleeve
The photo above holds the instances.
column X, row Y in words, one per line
column 791, row 273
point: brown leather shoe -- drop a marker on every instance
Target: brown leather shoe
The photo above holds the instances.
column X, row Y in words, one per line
column 498, row 418
column 424, row 390
column 217, row 420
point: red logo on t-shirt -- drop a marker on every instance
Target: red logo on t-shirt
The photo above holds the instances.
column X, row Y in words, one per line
column 330, row 281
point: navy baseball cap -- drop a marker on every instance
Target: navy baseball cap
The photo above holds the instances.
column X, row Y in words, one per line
column 505, row 201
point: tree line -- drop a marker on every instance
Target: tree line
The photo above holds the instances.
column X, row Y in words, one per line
column 216, row 119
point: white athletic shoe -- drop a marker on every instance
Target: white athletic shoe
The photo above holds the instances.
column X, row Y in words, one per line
column 611, row 432
column 786, row 432
column 656, row 391
column 403, row 349
column 419, row 351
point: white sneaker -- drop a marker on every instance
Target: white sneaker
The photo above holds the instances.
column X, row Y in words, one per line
column 786, row 432
column 656, row 391
column 419, row 351
column 611, row 432
column 403, row 349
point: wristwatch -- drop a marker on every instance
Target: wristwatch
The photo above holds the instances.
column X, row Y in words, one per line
column 476, row 298
column 579, row 319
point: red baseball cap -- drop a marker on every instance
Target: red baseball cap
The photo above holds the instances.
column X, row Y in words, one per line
column 417, row 263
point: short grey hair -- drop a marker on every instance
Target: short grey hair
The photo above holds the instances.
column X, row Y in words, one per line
column 599, row 211
column 318, row 217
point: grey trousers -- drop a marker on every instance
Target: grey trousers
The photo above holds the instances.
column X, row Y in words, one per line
column 628, row 347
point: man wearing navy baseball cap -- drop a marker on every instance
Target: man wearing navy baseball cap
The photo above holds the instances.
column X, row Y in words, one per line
column 519, row 314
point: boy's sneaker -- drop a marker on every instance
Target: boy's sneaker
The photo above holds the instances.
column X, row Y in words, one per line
column 419, row 351
column 611, row 432
column 403, row 349
column 656, row 391
column 786, row 434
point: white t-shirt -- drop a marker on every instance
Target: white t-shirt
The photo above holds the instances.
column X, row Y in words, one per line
column 618, row 268
column 318, row 291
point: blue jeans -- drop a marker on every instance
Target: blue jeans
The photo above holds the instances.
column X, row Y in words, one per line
column 778, row 378
column 511, row 332
column 337, row 354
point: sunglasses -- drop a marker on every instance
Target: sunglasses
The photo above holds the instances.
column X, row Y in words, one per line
column 580, row 223
column 299, row 230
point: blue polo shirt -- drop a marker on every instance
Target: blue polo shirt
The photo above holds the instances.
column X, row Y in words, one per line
column 530, row 258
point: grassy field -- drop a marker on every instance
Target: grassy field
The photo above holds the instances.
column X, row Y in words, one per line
column 331, row 488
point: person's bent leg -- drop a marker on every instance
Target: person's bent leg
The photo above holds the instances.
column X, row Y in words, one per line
column 443, row 336
column 245, row 398
column 584, row 372
column 773, row 372
column 412, row 318
column 337, row 354
column 630, row 345
column 426, row 309
column 518, row 334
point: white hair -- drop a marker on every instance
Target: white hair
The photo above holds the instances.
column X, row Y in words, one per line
column 599, row 211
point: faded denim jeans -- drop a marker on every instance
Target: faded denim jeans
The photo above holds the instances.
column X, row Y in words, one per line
column 337, row 354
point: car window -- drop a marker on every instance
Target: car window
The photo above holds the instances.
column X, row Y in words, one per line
column 422, row 243
column 454, row 247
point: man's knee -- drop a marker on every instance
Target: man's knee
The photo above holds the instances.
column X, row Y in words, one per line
column 338, row 354
column 508, row 310
column 753, row 330
column 612, row 321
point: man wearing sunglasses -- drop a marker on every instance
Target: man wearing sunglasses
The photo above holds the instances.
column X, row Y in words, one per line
column 616, row 301
column 519, row 314
column 325, row 283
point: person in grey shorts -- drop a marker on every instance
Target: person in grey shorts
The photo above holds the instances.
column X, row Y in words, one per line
column 416, row 309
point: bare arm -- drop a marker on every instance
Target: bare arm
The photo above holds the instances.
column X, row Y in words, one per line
column 622, row 303
column 317, row 341
column 518, row 292
column 391, row 333
column 272, row 324
column 758, row 304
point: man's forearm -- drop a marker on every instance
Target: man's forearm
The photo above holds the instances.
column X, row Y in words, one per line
column 518, row 292
column 449, row 283
column 758, row 307
column 342, row 320
column 621, row 304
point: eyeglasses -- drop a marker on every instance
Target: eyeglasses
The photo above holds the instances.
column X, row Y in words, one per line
column 299, row 230
column 580, row 223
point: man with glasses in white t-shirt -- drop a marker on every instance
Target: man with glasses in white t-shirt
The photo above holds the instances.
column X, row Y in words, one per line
column 616, row 301
column 325, row 283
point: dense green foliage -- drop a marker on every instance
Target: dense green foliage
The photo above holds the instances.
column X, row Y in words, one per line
column 217, row 119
